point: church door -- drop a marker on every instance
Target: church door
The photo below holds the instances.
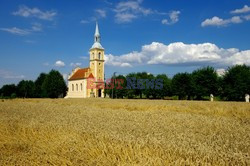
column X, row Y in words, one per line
column 99, row 93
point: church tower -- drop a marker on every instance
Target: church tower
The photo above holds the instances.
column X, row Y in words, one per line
column 96, row 62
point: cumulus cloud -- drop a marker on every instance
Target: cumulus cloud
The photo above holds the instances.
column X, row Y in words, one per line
column 59, row 63
column 173, row 18
column 216, row 21
column 245, row 9
column 181, row 54
column 25, row 11
column 129, row 10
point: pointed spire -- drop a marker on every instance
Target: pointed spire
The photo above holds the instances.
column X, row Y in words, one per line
column 97, row 30
column 97, row 38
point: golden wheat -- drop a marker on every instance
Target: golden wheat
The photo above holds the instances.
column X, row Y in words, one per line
column 123, row 132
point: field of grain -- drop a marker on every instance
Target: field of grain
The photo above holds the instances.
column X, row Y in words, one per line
column 123, row 132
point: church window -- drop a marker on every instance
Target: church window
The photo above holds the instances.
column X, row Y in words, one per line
column 99, row 63
column 81, row 86
column 72, row 87
column 99, row 55
column 76, row 87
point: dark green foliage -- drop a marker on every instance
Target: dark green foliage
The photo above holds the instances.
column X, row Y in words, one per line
column 236, row 83
column 166, row 89
column 205, row 81
column 8, row 90
column 38, row 86
column 26, row 89
column 183, row 85
column 54, row 85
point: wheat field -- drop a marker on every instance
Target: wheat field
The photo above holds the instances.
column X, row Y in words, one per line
column 123, row 132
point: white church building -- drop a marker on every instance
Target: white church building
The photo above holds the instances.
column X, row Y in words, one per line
column 87, row 82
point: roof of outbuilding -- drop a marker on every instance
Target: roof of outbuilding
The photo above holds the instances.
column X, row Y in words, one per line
column 80, row 74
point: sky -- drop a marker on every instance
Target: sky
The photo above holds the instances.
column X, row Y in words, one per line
column 160, row 36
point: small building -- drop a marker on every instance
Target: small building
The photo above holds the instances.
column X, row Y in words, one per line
column 88, row 82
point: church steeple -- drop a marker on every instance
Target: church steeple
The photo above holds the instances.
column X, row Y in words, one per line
column 97, row 38
column 97, row 34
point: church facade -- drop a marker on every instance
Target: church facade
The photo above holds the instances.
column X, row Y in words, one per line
column 88, row 82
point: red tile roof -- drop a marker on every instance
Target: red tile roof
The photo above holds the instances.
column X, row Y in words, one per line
column 80, row 74
column 91, row 75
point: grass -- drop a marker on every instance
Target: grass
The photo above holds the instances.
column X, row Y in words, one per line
column 123, row 132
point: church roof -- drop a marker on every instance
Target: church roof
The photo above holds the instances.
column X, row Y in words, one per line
column 97, row 45
column 80, row 74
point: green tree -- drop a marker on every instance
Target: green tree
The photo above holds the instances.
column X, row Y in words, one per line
column 26, row 89
column 236, row 83
column 39, row 92
column 9, row 90
column 205, row 81
column 182, row 85
column 166, row 89
column 54, row 85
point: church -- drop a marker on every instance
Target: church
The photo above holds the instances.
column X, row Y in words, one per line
column 83, row 82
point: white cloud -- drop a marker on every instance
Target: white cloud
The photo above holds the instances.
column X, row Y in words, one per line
column 10, row 75
column 101, row 13
column 59, row 63
column 216, row 21
column 181, row 54
column 36, row 27
column 16, row 31
column 129, row 10
column 115, row 61
column 75, row 64
column 247, row 17
column 25, row 11
column 245, row 9
column 221, row 72
column 173, row 18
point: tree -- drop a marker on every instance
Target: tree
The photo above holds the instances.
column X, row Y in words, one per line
column 182, row 85
column 205, row 81
column 26, row 89
column 9, row 90
column 54, row 85
column 39, row 92
column 166, row 89
column 236, row 83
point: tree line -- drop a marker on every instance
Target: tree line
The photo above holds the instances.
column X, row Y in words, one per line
column 47, row 85
column 198, row 85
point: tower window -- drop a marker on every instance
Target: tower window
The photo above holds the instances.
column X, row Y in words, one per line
column 99, row 63
column 99, row 55
column 93, row 56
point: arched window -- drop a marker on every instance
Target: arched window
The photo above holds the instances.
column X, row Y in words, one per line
column 72, row 87
column 76, row 87
column 99, row 55
column 81, row 86
column 93, row 56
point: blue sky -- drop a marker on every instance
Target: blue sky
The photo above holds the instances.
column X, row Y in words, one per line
column 138, row 35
